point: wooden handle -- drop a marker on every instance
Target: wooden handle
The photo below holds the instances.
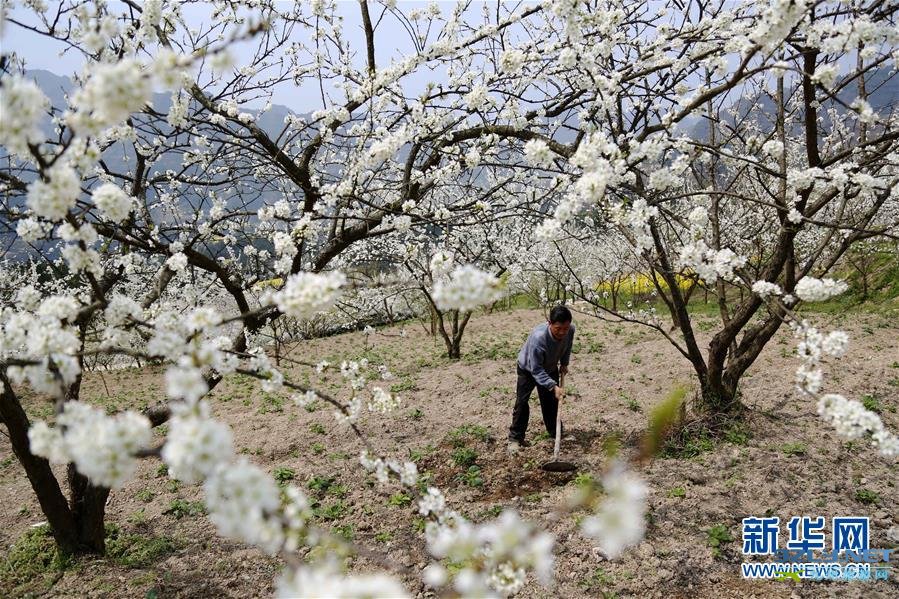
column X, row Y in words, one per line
column 558, row 422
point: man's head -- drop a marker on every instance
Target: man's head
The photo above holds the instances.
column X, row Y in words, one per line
column 559, row 322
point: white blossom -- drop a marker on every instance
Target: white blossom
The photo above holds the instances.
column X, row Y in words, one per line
column 466, row 288
column 22, row 104
column 113, row 201
column 810, row 289
column 620, row 520
column 765, row 288
column 196, row 444
column 53, row 198
column 306, row 294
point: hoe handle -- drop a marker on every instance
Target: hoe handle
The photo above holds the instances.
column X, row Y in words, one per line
column 558, row 423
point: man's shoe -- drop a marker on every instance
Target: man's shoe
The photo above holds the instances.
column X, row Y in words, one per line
column 515, row 445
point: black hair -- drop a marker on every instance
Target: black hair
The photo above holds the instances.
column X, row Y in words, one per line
column 559, row 314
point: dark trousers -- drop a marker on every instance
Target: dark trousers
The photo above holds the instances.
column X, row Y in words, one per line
column 549, row 405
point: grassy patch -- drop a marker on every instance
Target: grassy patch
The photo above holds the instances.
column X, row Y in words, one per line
column 399, row 500
column 180, row 508
column 136, row 551
column 584, row 479
column 334, row 511
column 872, row 403
column 345, row 531
column 459, row 436
column 464, row 457
column 416, row 455
column 867, row 496
column 688, row 445
column 407, row 384
column 794, row 449
column 677, row 492
column 283, row 474
column 716, row 537
column 32, row 565
column 490, row 512
column 596, row 581
column 384, row 537
column 320, row 483
column 145, row 495
column 472, row 477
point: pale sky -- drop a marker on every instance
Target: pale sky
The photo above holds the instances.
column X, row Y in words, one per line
column 391, row 41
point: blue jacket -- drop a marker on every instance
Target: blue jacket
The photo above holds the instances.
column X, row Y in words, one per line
column 541, row 354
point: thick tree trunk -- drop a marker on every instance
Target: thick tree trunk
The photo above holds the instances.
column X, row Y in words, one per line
column 46, row 488
column 718, row 398
column 88, row 505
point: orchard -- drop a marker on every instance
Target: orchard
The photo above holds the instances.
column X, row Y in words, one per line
column 266, row 268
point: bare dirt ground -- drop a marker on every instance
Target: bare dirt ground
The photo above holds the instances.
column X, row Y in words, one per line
column 786, row 462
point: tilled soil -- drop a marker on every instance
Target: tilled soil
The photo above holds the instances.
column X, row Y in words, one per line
column 455, row 416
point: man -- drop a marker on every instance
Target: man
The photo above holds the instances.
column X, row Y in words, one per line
column 544, row 356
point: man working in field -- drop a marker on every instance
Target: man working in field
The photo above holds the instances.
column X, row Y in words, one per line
column 544, row 356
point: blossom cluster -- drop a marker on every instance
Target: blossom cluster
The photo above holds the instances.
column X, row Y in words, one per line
column 306, row 294
column 40, row 333
column 710, row 264
column 850, row 418
column 22, row 105
column 466, row 288
column 620, row 520
column 102, row 447
column 811, row 289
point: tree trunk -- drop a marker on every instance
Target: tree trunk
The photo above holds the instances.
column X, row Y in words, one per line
column 88, row 505
column 718, row 400
column 46, row 488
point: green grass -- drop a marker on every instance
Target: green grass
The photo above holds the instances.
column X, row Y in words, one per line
column 179, row 508
column 598, row 579
column 145, row 495
column 384, row 537
column 867, row 496
column 464, row 457
column 460, row 435
column 688, row 446
column 490, row 513
column 345, row 531
column 334, row 511
column 320, row 483
column 584, row 479
column 716, row 537
column 417, row 455
column 792, row 449
column 872, row 403
column 283, row 474
column 136, row 551
column 32, row 564
column 406, row 384
column 399, row 500
column 472, row 477
column 271, row 403
column 738, row 434
column 677, row 492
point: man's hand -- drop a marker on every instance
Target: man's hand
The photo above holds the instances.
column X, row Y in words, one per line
column 563, row 369
column 559, row 392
